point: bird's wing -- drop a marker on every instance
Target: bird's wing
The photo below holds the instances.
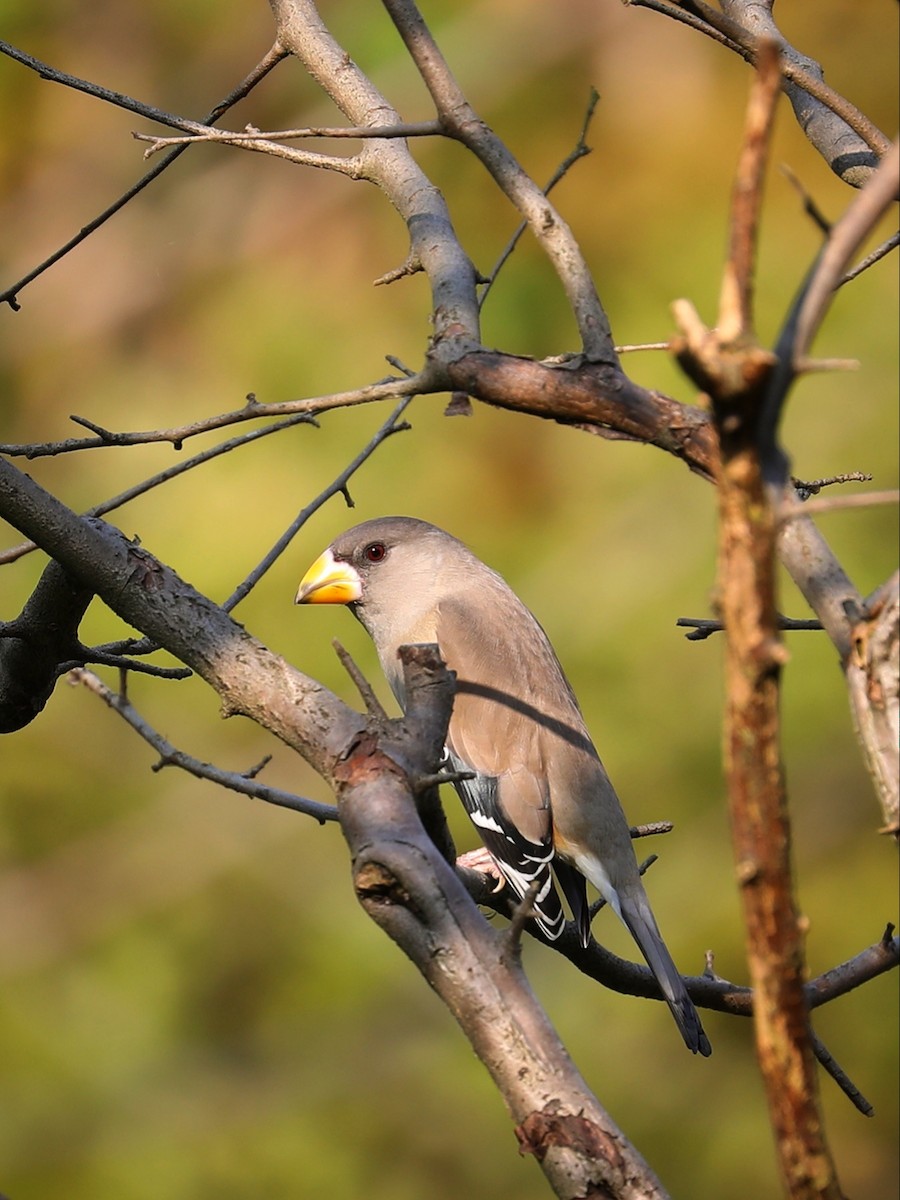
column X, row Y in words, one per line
column 495, row 732
column 521, row 859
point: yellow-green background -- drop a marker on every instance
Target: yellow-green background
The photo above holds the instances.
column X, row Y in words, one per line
column 191, row 1003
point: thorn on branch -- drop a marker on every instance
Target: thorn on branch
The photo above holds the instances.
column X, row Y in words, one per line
column 252, row 772
column 411, row 266
column 460, row 405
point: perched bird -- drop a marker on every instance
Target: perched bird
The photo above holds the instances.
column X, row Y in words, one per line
column 540, row 799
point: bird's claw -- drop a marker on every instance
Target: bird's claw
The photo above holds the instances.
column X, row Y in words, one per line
column 482, row 860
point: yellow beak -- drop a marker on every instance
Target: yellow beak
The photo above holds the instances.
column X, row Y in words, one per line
column 329, row 582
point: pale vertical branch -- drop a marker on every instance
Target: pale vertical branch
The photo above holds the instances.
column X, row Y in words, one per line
column 736, row 296
column 388, row 163
column 553, row 234
column 736, row 373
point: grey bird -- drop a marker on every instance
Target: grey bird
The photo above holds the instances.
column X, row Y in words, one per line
column 541, row 799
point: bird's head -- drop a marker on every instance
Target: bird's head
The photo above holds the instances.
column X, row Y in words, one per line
column 377, row 563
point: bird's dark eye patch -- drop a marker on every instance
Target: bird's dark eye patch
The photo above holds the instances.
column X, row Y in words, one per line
column 375, row 552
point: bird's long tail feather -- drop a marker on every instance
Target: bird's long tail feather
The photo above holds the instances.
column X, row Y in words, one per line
column 636, row 915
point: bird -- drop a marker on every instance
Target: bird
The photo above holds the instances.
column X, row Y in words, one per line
column 539, row 796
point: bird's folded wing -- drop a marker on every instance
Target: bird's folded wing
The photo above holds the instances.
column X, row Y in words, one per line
column 524, row 858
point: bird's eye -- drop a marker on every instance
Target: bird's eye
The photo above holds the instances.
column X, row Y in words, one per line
column 375, row 553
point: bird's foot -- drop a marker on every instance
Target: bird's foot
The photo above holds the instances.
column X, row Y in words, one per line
column 482, row 860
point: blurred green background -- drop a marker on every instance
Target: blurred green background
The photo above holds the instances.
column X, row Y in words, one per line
column 191, row 1003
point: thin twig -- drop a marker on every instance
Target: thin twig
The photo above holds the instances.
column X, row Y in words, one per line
column 809, row 205
column 412, row 129
column 170, row 756
column 727, row 32
column 835, row 503
column 631, row 349
column 580, row 149
column 373, row 705
column 841, row 1078
column 551, row 231
column 259, row 72
column 98, row 657
column 651, row 829
column 388, row 389
column 701, row 628
column 871, row 259
column 846, row 235
column 106, row 506
column 337, row 487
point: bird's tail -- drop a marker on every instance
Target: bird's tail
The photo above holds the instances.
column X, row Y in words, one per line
column 637, row 916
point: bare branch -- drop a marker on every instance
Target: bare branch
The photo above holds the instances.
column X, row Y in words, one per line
column 735, row 372
column 44, row 635
column 847, row 140
column 388, row 163
column 259, row 72
column 580, row 149
column 337, row 487
column 250, row 134
column 848, row 233
column 460, row 120
column 389, row 389
column 736, row 296
column 408, row 889
column 139, row 489
column 169, row 756
column 365, row 689
column 836, row 128
column 811, row 487
column 702, row 628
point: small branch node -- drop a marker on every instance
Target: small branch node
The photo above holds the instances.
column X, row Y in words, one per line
column 411, row 266
column 651, row 828
column 252, row 772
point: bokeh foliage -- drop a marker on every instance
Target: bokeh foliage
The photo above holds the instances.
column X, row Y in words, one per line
column 192, row 1004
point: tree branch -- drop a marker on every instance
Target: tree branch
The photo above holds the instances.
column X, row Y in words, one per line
column 259, row 72
column 459, row 119
column 735, row 372
column 170, row 756
column 408, row 889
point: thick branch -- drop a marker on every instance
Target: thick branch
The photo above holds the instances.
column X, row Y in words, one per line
column 389, row 164
column 588, row 395
column 34, row 645
column 414, row 895
column 737, row 373
column 250, row 679
column 547, row 225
